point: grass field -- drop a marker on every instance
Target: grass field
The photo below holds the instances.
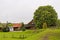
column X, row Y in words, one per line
column 48, row 34
column 18, row 35
column 43, row 34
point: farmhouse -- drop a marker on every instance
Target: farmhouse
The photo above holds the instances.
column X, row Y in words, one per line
column 30, row 25
column 15, row 27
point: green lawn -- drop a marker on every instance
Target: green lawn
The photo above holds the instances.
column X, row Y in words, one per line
column 18, row 35
column 42, row 34
column 48, row 34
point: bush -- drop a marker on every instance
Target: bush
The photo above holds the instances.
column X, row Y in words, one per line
column 23, row 29
column 6, row 29
column 44, row 25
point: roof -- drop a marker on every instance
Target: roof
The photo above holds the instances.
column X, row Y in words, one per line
column 17, row 24
column 31, row 22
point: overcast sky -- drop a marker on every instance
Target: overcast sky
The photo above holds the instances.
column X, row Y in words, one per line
column 22, row 10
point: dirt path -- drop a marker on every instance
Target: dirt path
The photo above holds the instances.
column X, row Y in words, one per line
column 46, row 37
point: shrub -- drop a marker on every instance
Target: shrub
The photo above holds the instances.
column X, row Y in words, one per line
column 44, row 25
column 6, row 29
column 23, row 29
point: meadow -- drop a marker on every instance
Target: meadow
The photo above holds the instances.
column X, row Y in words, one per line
column 20, row 35
column 41, row 34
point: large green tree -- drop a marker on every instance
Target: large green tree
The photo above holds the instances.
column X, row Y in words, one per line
column 45, row 14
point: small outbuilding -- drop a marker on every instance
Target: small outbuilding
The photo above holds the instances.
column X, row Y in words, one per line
column 17, row 26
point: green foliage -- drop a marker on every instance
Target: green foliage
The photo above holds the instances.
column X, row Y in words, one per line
column 10, row 24
column 58, row 23
column 23, row 28
column 6, row 29
column 44, row 25
column 45, row 14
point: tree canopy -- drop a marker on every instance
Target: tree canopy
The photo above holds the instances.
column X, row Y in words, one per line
column 45, row 14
